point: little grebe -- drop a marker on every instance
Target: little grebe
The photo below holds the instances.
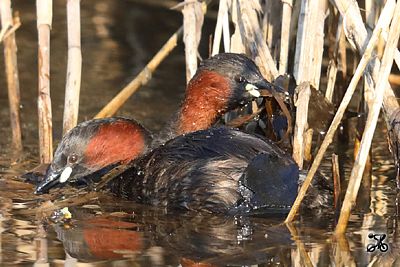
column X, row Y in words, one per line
column 218, row 169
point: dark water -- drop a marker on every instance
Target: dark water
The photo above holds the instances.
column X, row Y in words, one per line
column 118, row 38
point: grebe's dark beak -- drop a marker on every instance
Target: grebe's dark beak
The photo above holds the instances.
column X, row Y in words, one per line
column 266, row 85
column 53, row 179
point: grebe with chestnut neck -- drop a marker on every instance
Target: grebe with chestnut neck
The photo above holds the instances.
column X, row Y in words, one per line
column 218, row 170
column 221, row 83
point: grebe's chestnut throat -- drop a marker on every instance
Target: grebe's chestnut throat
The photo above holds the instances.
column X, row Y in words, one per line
column 202, row 108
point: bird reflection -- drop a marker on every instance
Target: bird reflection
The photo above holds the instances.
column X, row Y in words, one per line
column 187, row 239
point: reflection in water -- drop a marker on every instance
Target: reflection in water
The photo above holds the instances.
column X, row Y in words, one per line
column 174, row 238
column 118, row 38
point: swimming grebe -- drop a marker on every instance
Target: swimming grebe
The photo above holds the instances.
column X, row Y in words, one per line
column 218, row 169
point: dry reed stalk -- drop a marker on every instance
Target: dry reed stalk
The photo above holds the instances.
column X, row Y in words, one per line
column 141, row 79
column 394, row 78
column 74, row 67
column 373, row 114
column 5, row 32
column 396, row 54
column 342, row 60
column 336, row 180
column 303, row 97
column 44, row 20
column 226, row 31
column 307, row 65
column 221, row 26
column 247, row 23
column 308, row 135
column 371, row 9
column 11, row 67
column 193, row 17
column 310, row 42
column 54, row 203
column 387, row 12
column 237, row 43
column 285, row 35
column 356, row 33
column 332, row 66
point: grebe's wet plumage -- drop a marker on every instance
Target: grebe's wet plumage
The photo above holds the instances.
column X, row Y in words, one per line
column 218, row 170
column 209, row 170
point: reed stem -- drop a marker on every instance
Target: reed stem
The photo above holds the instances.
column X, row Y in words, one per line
column 74, row 67
column 336, row 180
column 11, row 67
column 310, row 42
column 44, row 20
column 303, row 98
column 285, row 35
column 193, row 18
column 307, row 66
column 221, row 26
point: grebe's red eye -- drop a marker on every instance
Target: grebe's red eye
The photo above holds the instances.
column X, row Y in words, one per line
column 240, row 79
column 72, row 158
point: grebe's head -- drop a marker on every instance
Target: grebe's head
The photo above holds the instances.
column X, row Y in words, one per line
column 242, row 75
column 222, row 83
column 93, row 147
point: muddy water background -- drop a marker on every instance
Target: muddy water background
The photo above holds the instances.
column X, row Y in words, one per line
column 118, row 38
